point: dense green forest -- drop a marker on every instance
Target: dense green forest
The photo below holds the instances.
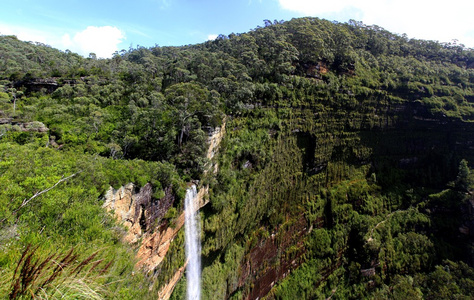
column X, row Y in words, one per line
column 344, row 172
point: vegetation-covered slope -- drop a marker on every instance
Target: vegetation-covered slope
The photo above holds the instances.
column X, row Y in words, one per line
column 343, row 171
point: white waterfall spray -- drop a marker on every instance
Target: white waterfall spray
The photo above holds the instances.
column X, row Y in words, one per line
column 193, row 245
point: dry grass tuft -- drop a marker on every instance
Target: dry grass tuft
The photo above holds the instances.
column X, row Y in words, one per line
column 56, row 276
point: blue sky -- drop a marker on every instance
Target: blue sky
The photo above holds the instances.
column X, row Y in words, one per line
column 104, row 26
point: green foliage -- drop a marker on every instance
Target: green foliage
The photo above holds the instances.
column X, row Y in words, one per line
column 464, row 180
column 301, row 284
column 67, row 213
column 45, row 277
column 359, row 136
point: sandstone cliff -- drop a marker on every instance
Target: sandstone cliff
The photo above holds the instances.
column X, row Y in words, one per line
column 135, row 209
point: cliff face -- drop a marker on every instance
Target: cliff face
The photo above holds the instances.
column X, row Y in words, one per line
column 266, row 263
column 331, row 128
column 407, row 144
column 136, row 209
column 314, row 159
column 143, row 217
column 319, row 178
column 123, row 202
column 155, row 244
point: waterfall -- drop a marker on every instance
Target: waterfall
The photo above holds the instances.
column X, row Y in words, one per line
column 193, row 245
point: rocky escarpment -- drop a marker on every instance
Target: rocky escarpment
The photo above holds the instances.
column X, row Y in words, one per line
column 155, row 244
column 406, row 138
column 272, row 259
column 214, row 141
column 38, row 84
column 135, row 208
column 167, row 290
column 35, row 126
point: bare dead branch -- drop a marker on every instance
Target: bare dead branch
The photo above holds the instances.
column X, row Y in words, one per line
column 26, row 201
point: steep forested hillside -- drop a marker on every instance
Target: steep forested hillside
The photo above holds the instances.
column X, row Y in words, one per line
column 344, row 171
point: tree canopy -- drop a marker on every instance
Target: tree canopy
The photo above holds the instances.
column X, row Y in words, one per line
column 344, row 170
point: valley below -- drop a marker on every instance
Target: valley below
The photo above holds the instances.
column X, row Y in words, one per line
column 330, row 160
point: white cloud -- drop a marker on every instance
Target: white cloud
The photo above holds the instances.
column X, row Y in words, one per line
column 24, row 34
column 424, row 19
column 311, row 7
column 212, row 37
column 103, row 41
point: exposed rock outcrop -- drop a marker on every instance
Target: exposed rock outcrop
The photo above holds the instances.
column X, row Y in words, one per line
column 165, row 292
column 5, row 120
column 34, row 126
column 124, row 205
column 215, row 139
column 38, row 84
column 137, row 211
column 268, row 262
column 155, row 245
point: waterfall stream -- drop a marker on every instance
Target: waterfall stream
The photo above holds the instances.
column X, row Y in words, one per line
column 193, row 245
